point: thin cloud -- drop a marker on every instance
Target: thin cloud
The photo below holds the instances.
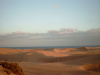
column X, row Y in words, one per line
column 94, row 30
column 19, row 32
column 70, row 30
column 64, row 32
column 65, row 36
column 57, row 5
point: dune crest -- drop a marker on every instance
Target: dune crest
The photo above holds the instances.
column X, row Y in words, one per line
column 52, row 53
column 61, row 50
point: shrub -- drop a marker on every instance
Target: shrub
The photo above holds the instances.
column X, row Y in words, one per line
column 92, row 67
column 12, row 67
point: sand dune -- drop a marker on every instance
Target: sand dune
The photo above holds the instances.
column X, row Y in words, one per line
column 52, row 53
column 58, row 61
column 92, row 48
column 31, row 50
column 61, row 50
column 85, row 60
column 9, row 51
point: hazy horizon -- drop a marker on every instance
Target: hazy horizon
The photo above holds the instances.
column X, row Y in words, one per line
column 29, row 23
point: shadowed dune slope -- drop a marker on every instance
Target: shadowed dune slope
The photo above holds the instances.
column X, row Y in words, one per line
column 84, row 60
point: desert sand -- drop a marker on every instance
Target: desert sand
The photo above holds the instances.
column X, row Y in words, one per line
column 58, row 61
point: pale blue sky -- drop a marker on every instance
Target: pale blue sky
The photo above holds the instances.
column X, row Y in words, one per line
column 41, row 16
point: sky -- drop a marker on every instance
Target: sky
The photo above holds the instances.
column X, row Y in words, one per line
column 28, row 23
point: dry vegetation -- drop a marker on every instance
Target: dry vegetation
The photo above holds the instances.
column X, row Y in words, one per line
column 92, row 67
column 12, row 68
